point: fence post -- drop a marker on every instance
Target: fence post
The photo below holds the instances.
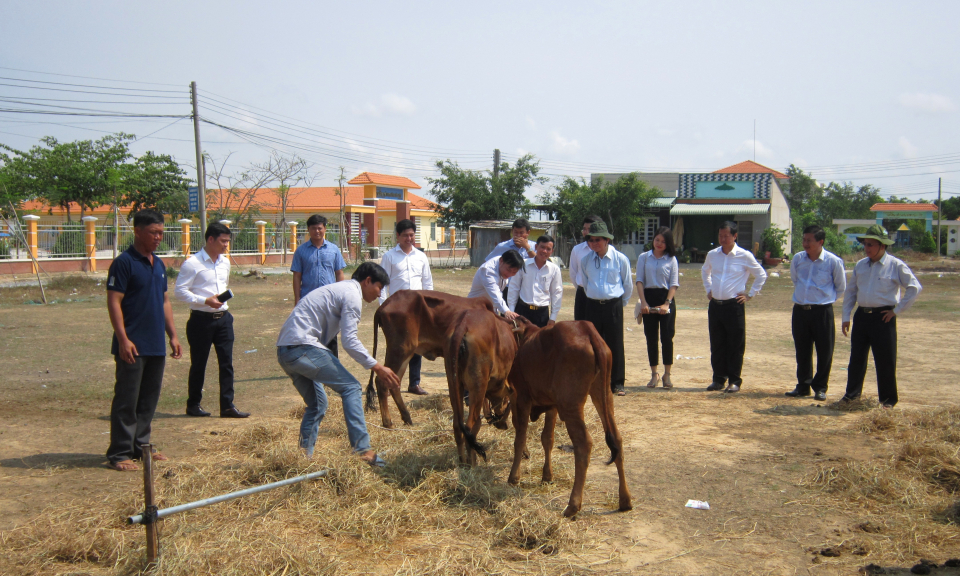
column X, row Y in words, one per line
column 32, row 238
column 262, row 240
column 293, row 236
column 453, row 238
column 227, row 224
column 90, row 233
column 185, row 236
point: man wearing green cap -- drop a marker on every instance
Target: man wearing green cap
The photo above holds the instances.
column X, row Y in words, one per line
column 875, row 286
column 608, row 283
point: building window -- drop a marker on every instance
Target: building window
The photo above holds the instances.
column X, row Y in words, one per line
column 416, row 221
column 645, row 234
column 433, row 231
column 745, row 234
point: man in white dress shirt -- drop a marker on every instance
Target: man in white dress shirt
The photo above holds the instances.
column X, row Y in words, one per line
column 875, row 285
column 725, row 274
column 492, row 278
column 408, row 269
column 576, row 255
column 202, row 278
column 519, row 241
column 318, row 317
column 537, row 290
column 818, row 277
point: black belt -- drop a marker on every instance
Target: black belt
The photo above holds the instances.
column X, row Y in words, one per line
column 722, row 302
column 604, row 302
column 212, row 315
column 531, row 306
column 872, row 310
column 812, row 306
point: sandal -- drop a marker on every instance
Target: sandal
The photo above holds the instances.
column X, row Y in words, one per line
column 621, row 393
column 653, row 381
column 156, row 456
column 666, row 381
column 124, row 466
column 376, row 461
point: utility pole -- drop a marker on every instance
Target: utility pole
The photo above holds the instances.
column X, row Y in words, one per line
column 496, row 162
column 939, row 212
column 201, row 176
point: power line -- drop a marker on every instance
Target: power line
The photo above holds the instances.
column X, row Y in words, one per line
column 48, row 89
column 85, row 77
column 90, row 86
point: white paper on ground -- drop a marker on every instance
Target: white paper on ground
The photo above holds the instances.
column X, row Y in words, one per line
column 698, row 504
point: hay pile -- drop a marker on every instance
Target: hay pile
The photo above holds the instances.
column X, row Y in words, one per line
column 909, row 501
column 422, row 514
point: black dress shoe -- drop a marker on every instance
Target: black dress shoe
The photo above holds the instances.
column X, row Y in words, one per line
column 732, row 388
column 715, row 386
column 418, row 390
column 196, row 411
column 820, row 395
column 233, row 413
column 849, row 398
column 797, row 392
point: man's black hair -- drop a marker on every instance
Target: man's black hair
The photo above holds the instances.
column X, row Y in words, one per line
column 317, row 219
column 731, row 226
column 521, row 223
column 404, row 225
column 591, row 219
column 215, row 230
column 146, row 217
column 667, row 239
column 546, row 238
column 819, row 234
column 512, row 259
column 372, row 271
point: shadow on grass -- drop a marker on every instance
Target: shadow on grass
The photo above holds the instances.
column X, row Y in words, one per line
column 156, row 416
column 55, row 460
column 797, row 410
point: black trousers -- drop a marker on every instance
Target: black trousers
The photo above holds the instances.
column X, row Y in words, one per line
column 415, row 363
column 728, row 340
column 870, row 332
column 662, row 326
column 135, row 397
column 607, row 318
column 202, row 331
column 538, row 316
column 579, row 304
column 813, row 328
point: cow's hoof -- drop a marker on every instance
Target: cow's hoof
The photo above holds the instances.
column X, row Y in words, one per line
column 408, row 420
column 547, row 479
column 626, row 506
column 501, row 425
column 570, row 511
column 388, row 425
column 513, row 481
column 526, row 455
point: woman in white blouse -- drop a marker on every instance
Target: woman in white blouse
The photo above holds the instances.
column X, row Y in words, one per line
column 657, row 283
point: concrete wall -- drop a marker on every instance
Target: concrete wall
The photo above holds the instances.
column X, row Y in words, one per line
column 780, row 212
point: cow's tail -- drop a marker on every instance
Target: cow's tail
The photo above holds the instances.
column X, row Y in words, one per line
column 460, row 348
column 604, row 404
column 371, row 390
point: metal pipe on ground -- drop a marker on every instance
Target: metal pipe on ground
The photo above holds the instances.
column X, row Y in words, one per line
column 138, row 519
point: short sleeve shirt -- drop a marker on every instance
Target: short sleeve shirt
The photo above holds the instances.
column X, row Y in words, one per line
column 142, row 286
column 317, row 266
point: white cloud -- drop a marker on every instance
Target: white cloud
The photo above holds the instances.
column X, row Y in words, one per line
column 531, row 123
column 563, row 145
column 762, row 151
column 389, row 103
column 522, row 151
column 933, row 103
column 907, row 148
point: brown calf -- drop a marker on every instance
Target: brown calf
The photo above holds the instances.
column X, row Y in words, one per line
column 555, row 370
column 414, row 322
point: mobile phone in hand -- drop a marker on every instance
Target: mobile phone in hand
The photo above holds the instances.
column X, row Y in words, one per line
column 225, row 296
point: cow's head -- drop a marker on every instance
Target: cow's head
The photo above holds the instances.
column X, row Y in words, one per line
column 523, row 329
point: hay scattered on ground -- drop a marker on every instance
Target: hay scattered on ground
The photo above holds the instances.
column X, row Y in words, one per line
column 421, row 514
column 861, row 404
column 908, row 499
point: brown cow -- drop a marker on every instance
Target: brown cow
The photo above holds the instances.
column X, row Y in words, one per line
column 556, row 368
column 414, row 322
column 478, row 359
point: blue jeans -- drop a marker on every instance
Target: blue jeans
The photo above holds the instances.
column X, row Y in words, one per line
column 310, row 368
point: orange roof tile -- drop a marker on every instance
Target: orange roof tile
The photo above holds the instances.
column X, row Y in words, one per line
column 384, row 179
column 890, row 207
column 751, row 167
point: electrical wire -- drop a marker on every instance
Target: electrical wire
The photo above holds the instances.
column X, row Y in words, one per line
column 85, row 77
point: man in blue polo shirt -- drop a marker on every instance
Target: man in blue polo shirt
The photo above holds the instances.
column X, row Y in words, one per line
column 140, row 312
column 316, row 263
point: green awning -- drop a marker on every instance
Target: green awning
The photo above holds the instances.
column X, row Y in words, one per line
column 662, row 202
column 718, row 209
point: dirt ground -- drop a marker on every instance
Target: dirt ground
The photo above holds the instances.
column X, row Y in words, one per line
column 751, row 455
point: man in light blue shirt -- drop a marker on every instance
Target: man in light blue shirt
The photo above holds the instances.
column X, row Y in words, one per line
column 818, row 276
column 519, row 242
column 317, row 262
column 608, row 283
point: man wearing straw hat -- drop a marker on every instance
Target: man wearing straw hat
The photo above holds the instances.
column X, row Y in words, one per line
column 608, row 283
column 875, row 286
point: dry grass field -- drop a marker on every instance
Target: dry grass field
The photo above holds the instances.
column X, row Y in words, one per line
column 794, row 487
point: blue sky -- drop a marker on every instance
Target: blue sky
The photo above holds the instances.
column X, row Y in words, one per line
column 860, row 91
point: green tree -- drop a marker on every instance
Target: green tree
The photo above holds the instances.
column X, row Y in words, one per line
column 802, row 191
column 155, row 181
column 466, row 196
column 950, row 208
column 622, row 204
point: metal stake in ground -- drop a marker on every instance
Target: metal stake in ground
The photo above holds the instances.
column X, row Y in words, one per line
column 149, row 504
